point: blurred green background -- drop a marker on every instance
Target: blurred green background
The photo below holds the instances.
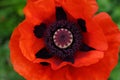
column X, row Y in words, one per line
column 11, row 15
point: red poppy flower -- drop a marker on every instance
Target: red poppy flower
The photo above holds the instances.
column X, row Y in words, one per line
column 64, row 40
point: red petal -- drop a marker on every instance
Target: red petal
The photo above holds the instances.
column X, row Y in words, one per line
column 33, row 71
column 94, row 37
column 87, row 58
column 81, row 59
column 100, row 70
column 110, row 29
column 29, row 44
column 29, row 70
column 39, row 10
column 80, row 8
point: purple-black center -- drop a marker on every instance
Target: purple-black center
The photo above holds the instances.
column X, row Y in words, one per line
column 63, row 38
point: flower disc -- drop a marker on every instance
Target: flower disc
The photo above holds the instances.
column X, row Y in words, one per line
column 63, row 38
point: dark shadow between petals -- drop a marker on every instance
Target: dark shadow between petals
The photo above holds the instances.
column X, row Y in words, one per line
column 60, row 14
column 69, row 59
column 82, row 24
column 39, row 30
column 86, row 48
column 43, row 53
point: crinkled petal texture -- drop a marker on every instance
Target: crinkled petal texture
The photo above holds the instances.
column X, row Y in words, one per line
column 102, row 69
column 98, row 71
column 37, row 10
column 80, row 8
column 102, row 34
column 43, row 9
column 30, row 45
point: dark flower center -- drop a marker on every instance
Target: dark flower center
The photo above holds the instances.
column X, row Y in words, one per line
column 63, row 38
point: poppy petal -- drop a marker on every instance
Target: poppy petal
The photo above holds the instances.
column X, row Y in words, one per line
column 81, row 59
column 31, row 71
column 29, row 44
column 100, row 70
column 61, row 74
column 80, row 8
column 60, row 14
column 94, row 37
column 39, row 30
column 102, row 40
column 38, row 10
column 23, row 66
column 43, row 53
column 87, row 58
column 109, row 28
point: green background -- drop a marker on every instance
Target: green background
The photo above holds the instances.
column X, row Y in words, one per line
column 11, row 15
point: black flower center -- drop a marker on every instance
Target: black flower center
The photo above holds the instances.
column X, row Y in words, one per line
column 63, row 38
